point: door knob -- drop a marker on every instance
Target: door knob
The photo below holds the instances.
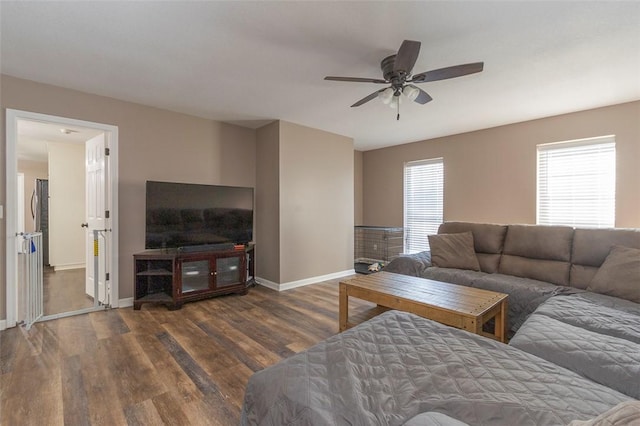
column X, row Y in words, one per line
column 84, row 225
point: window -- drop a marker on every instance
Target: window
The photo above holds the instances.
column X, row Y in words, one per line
column 423, row 199
column 577, row 183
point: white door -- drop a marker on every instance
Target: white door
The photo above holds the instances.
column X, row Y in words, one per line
column 20, row 312
column 20, row 206
column 97, row 205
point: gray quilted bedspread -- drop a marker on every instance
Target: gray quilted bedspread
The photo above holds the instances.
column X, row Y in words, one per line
column 599, row 342
column 397, row 365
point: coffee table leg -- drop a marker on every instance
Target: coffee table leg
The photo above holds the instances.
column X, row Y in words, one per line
column 501, row 323
column 472, row 324
column 343, row 307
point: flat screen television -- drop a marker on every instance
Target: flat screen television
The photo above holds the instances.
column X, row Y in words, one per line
column 187, row 214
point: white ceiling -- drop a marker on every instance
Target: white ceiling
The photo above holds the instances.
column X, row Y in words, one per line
column 34, row 138
column 252, row 62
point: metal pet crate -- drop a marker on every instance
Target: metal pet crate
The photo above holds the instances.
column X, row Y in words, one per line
column 376, row 244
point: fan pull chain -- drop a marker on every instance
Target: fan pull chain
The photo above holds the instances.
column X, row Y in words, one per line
column 398, row 105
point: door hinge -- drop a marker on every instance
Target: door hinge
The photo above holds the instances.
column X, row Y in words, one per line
column 107, row 276
column 106, row 151
column 106, row 214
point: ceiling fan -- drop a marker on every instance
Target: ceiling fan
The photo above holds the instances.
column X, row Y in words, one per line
column 396, row 71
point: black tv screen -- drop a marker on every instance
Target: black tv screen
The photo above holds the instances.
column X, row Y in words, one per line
column 186, row 214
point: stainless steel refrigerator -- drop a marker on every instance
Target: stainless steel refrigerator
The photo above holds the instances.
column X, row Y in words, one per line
column 40, row 214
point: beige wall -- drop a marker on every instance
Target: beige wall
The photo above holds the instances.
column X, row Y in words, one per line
column 32, row 170
column 358, row 160
column 490, row 175
column 268, row 202
column 316, row 202
column 67, row 211
column 305, row 186
column 154, row 144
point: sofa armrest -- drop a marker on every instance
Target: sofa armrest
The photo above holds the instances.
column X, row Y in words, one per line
column 410, row 264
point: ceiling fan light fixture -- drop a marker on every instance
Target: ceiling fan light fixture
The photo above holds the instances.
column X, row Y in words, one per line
column 411, row 92
column 397, row 71
column 395, row 101
column 386, row 95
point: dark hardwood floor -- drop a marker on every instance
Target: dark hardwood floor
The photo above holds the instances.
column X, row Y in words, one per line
column 156, row 366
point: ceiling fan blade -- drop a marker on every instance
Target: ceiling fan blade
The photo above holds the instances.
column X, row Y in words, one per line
column 368, row 98
column 423, row 97
column 357, row 79
column 407, row 56
column 448, row 72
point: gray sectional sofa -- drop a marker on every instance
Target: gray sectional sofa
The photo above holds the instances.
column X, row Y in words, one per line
column 574, row 359
column 530, row 263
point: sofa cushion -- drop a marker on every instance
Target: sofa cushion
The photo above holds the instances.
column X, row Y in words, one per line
column 537, row 252
column 601, row 314
column 488, row 241
column 608, row 360
column 453, row 276
column 539, row 242
column 410, row 264
column 488, row 262
column 611, row 302
column 542, row 270
column 525, row 294
column 580, row 275
column 619, row 275
column 596, row 341
column 453, row 251
column 592, row 246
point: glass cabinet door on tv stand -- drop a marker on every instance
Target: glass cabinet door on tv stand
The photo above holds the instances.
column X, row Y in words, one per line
column 195, row 275
column 200, row 273
column 229, row 271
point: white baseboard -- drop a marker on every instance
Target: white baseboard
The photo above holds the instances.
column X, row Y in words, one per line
column 128, row 302
column 306, row 281
column 3, row 325
column 68, row 266
column 268, row 284
column 125, row 303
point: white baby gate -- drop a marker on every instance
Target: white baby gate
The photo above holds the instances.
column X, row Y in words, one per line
column 32, row 269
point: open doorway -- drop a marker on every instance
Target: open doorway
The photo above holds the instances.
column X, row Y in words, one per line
column 59, row 194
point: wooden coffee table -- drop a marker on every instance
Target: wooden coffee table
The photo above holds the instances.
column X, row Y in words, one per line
column 455, row 305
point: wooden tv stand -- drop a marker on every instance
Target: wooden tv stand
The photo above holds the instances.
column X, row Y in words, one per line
column 172, row 277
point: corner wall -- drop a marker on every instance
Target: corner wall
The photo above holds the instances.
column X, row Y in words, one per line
column 268, row 202
column 358, row 195
column 305, row 181
column 316, row 203
column 154, row 144
column 490, row 175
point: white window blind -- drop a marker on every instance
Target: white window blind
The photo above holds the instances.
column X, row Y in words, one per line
column 577, row 183
column 423, row 199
